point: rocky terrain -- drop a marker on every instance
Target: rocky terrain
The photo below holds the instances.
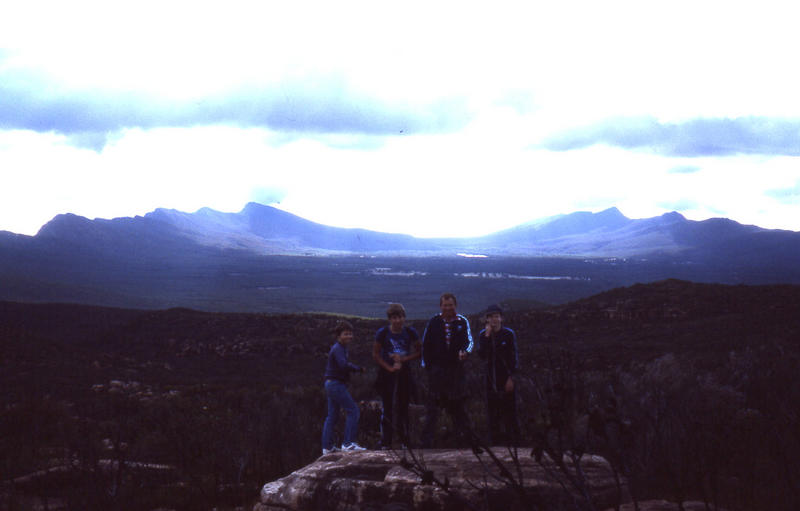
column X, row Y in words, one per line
column 392, row 481
column 382, row 480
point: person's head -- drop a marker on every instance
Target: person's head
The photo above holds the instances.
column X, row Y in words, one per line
column 343, row 331
column 447, row 304
column 397, row 316
column 494, row 316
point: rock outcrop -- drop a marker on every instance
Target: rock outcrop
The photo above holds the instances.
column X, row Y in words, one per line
column 381, row 480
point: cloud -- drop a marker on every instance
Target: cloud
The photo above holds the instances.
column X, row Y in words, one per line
column 520, row 100
column 693, row 138
column 786, row 195
column 684, row 169
column 93, row 140
column 268, row 195
column 313, row 105
column 679, row 205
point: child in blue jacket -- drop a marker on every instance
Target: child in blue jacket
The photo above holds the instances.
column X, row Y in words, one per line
column 337, row 374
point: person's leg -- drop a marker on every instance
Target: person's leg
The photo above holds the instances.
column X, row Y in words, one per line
column 433, row 405
column 510, row 417
column 431, row 418
column 386, row 414
column 455, row 408
column 492, row 422
column 402, row 398
column 352, row 414
column 330, row 420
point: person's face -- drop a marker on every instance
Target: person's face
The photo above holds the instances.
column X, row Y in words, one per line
column 345, row 337
column 396, row 322
column 448, row 307
column 495, row 320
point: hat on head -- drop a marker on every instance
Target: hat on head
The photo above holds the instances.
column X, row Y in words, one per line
column 494, row 308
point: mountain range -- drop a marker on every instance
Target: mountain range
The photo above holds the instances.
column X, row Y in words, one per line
column 169, row 257
column 266, row 230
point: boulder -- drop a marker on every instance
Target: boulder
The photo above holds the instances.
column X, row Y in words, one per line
column 392, row 481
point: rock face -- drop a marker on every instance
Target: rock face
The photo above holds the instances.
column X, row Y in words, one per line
column 377, row 480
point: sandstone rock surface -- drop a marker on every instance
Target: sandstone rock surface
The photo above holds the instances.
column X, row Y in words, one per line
column 377, row 480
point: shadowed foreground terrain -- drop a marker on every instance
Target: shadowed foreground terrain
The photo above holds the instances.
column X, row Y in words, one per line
column 688, row 390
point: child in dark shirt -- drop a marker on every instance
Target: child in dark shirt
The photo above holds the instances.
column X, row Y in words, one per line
column 396, row 345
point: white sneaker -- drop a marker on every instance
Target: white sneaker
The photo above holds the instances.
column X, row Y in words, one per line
column 353, row 447
column 329, row 451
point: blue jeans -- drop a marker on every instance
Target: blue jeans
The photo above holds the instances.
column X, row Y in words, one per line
column 339, row 398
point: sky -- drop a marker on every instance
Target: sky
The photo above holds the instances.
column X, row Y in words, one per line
column 426, row 118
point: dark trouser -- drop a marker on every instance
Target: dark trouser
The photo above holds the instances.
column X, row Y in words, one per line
column 502, row 415
column 455, row 408
column 395, row 393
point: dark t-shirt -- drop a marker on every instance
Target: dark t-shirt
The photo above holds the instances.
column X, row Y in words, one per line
column 401, row 343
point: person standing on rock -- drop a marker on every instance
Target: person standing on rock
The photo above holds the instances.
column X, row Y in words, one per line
column 396, row 345
column 497, row 345
column 446, row 343
column 337, row 374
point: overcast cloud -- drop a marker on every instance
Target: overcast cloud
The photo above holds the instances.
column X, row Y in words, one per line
column 692, row 138
column 434, row 119
column 316, row 105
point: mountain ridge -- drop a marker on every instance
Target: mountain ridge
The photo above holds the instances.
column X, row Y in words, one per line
column 262, row 259
column 268, row 230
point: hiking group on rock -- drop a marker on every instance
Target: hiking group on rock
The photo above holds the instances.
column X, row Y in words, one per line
column 445, row 344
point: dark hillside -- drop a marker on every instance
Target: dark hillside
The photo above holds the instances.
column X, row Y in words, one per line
column 700, row 380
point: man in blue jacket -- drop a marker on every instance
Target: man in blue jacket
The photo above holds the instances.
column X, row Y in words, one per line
column 446, row 343
column 497, row 345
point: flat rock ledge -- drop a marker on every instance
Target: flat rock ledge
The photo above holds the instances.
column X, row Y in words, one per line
column 376, row 480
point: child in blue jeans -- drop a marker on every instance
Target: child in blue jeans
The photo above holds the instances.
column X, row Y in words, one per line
column 337, row 374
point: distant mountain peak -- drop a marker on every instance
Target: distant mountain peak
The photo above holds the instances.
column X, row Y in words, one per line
column 612, row 211
column 64, row 223
column 251, row 207
column 673, row 217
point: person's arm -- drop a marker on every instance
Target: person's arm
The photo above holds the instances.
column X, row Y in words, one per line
column 515, row 351
column 416, row 351
column 426, row 345
column 483, row 344
column 470, row 344
column 467, row 343
column 509, row 386
column 340, row 359
column 376, row 355
column 513, row 364
column 354, row 368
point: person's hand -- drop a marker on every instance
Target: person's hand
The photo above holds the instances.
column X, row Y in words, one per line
column 462, row 355
column 397, row 365
column 509, row 385
column 489, row 330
